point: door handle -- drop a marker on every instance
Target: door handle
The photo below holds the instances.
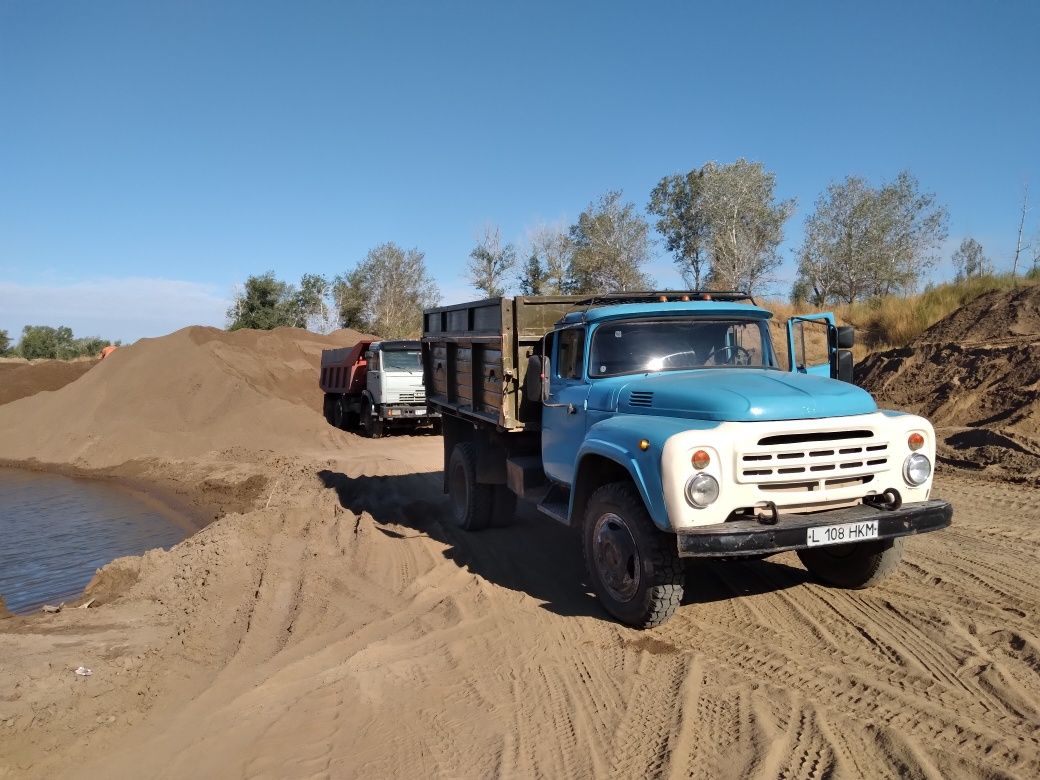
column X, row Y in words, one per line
column 572, row 409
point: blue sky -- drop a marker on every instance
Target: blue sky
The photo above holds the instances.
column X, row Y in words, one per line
column 153, row 155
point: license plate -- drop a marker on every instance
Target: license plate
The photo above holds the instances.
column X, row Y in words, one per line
column 841, row 534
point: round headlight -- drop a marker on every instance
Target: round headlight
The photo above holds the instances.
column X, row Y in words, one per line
column 916, row 469
column 701, row 490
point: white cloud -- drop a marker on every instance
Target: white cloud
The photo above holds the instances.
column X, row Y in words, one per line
column 127, row 309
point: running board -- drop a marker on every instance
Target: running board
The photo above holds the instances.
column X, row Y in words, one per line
column 557, row 510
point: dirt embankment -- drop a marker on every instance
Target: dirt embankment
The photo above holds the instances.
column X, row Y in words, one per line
column 335, row 624
column 976, row 376
column 196, row 391
column 19, row 379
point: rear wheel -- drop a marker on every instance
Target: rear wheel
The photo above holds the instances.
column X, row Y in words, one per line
column 634, row 568
column 472, row 502
column 370, row 424
column 339, row 412
column 328, row 408
column 857, row 565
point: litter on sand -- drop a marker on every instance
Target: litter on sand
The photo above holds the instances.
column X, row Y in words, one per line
column 84, row 671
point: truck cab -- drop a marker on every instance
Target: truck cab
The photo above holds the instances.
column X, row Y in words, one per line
column 664, row 427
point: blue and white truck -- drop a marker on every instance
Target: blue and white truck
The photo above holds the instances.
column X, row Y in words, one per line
column 663, row 427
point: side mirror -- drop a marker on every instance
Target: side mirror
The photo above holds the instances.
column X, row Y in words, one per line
column 846, row 337
column 842, row 365
column 536, row 379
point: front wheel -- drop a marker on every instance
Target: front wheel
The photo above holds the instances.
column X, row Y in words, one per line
column 853, row 566
column 370, row 423
column 634, row 568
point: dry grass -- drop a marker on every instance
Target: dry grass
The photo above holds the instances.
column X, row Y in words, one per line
column 895, row 321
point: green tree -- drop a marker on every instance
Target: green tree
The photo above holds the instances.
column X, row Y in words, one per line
column 864, row 242
column 610, row 245
column 348, row 294
column 678, row 203
column 970, row 260
column 387, row 292
column 533, row 278
column 745, row 224
column 549, row 249
column 45, row 342
column 311, row 303
column 266, row 302
column 490, row 262
column 5, row 342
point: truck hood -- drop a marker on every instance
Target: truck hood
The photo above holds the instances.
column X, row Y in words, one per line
column 735, row 395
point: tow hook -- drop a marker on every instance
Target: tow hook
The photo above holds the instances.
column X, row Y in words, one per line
column 768, row 519
column 890, row 500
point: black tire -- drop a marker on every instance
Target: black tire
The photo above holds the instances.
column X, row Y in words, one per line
column 370, row 424
column 853, row 566
column 634, row 568
column 328, row 406
column 472, row 502
column 339, row 412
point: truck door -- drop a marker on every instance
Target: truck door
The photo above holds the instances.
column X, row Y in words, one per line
column 563, row 415
column 815, row 345
column 375, row 376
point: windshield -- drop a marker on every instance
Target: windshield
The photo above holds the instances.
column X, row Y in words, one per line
column 401, row 360
column 638, row 346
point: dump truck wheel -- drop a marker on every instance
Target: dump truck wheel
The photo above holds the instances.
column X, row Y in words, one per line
column 339, row 414
column 372, row 427
column 857, row 565
column 472, row 502
column 634, row 568
column 328, row 406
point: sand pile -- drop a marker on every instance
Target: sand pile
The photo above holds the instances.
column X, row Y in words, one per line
column 976, row 376
column 197, row 390
column 19, row 379
column 993, row 317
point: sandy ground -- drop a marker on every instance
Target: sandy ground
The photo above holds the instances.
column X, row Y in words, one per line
column 342, row 629
column 332, row 624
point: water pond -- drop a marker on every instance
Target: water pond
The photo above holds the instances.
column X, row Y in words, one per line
column 55, row 531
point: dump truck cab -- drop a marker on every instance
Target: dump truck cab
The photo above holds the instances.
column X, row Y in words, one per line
column 665, row 426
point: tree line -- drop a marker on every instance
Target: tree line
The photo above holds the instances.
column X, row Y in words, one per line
column 722, row 224
column 45, row 342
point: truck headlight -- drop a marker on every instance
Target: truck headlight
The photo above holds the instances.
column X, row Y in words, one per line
column 701, row 490
column 916, row 469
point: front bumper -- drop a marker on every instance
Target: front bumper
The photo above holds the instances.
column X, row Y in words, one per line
column 394, row 412
column 750, row 537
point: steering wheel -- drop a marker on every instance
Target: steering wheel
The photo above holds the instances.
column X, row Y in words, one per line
column 738, row 355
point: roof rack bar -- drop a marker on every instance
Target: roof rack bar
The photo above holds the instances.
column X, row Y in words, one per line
column 648, row 296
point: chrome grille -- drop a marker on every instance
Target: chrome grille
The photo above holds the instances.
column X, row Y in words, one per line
column 813, row 460
column 412, row 398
